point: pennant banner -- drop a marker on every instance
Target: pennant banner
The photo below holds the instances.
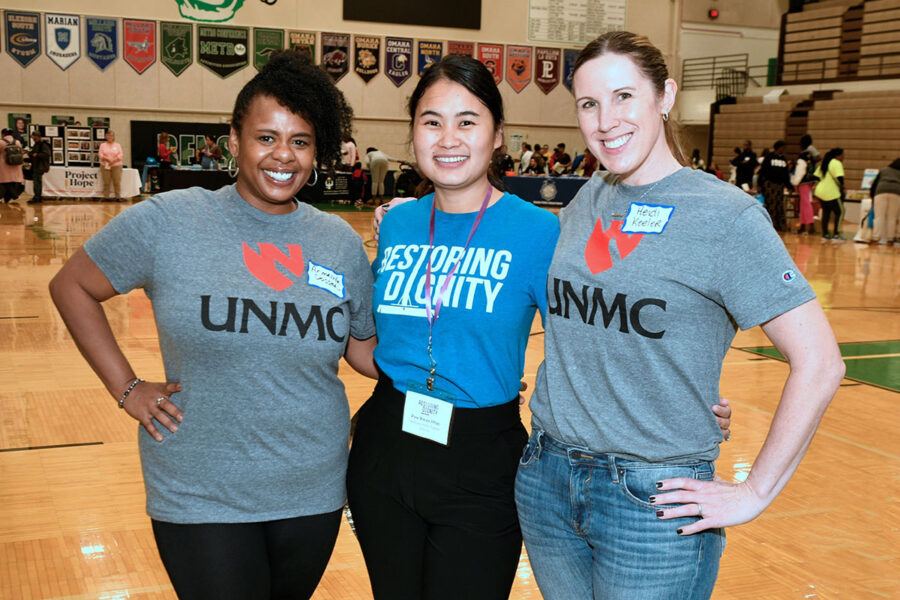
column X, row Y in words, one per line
column 546, row 68
column 63, row 39
column 102, row 40
column 265, row 42
column 23, row 36
column 223, row 50
column 518, row 66
column 176, row 46
column 139, row 47
column 429, row 53
column 569, row 58
column 461, row 48
column 303, row 41
column 492, row 57
column 335, row 51
column 367, row 53
column 398, row 59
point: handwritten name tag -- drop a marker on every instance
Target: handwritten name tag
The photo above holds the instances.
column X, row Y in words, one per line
column 326, row 279
column 647, row 218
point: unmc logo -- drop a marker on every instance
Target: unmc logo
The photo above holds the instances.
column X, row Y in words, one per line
column 262, row 265
column 596, row 251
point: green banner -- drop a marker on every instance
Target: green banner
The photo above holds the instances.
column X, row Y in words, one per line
column 265, row 42
column 176, row 46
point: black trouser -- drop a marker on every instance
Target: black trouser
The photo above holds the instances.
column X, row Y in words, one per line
column 281, row 559
column 829, row 208
column 436, row 522
column 10, row 190
column 773, row 193
column 37, row 185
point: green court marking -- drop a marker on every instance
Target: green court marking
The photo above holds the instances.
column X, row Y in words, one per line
column 867, row 363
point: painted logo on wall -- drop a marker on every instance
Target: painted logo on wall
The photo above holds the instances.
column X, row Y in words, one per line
column 546, row 68
column 63, row 39
column 265, row 42
column 491, row 55
column 223, row 50
column 518, row 66
column 398, row 59
column 102, row 40
column 23, row 36
column 430, row 52
column 367, row 56
column 139, row 48
column 176, row 46
column 335, row 54
column 216, row 11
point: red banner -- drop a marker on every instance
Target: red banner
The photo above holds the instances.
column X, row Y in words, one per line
column 463, row 48
column 518, row 66
column 492, row 57
column 140, row 43
column 546, row 68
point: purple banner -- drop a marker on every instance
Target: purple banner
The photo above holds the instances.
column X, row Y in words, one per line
column 398, row 59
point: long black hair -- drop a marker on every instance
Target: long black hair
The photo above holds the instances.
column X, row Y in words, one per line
column 831, row 154
column 291, row 78
column 472, row 75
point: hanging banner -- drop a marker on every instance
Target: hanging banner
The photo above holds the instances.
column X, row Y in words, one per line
column 223, row 50
column 492, row 57
column 518, row 67
column 398, row 59
column 546, row 68
column 176, row 46
column 139, row 43
column 461, row 48
column 101, row 37
column 367, row 56
column 23, row 36
column 303, row 41
column 335, row 51
column 430, row 52
column 63, row 39
column 265, row 42
column 569, row 58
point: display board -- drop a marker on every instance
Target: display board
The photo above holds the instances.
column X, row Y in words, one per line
column 573, row 21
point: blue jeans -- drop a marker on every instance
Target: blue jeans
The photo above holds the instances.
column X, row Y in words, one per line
column 591, row 533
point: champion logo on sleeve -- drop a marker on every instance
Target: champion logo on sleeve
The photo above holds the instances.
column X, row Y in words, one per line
column 788, row 276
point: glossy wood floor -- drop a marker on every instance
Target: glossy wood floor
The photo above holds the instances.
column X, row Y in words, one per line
column 72, row 522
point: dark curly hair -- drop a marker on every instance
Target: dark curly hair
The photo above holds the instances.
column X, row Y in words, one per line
column 291, row 78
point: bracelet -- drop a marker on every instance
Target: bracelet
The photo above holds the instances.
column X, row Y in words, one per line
column 131, row 386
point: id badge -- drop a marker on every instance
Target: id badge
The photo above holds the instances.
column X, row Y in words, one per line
column 427, row 416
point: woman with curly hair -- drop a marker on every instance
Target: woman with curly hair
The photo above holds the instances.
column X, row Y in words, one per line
column 244, row 458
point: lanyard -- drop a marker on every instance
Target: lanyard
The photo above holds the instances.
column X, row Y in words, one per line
column 440, row 296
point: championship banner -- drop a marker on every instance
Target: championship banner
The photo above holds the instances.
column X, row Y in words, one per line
column 492, row 57
column 176, row 46
column 546, row 68
column 139, row 47
column 23, row 36
column 518, row 66
column 265, row 42
column 102, row 40
column 303, row 41
column 461, row 48
column 223, row 50
column 367, row 56
column 429, row 53
column 398, row 59
column 335, row 50
column 63, row 39
column 569, row 58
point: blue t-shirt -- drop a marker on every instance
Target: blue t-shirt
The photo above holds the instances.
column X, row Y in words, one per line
column 480, row 337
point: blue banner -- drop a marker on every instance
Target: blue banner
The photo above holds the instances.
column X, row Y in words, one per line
column 102, row 39
column 23, row 36
column 569, row 57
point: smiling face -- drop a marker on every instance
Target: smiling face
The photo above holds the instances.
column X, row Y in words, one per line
column 454, row 136
column 620, row 115
column 110, row 137
column 275, row 151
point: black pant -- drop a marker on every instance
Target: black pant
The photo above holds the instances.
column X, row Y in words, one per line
column 436, row 522
column 281, row 559
column 10, row 190
column 829, row 208
column 38, row 186
column 773, row 193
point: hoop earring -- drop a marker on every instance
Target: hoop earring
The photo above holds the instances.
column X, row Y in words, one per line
column 315, row 178
column 665, row 116
column 232, row 172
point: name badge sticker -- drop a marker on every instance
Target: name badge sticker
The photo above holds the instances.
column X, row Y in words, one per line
column 326, row 279
column 647, row 218
column 427, row 417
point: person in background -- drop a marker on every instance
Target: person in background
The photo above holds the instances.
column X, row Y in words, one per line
column 12, row 179
column 501, row 162
column 377, row 163
column 40, row 154
column 886, row 199
column 830, row 192
column 696, row 161
column 713, row 169
column 775, row 175
column 525, row 158
column 210, row 154
column 563, row 165
column 164, row 151
column 349, row 154
column 745, row 164
column 244, row 461
column 803, row 180
column 589, row 164
column 111, row 156
column 536, row 166
column 545, row 152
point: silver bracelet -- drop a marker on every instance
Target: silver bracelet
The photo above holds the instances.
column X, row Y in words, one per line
column 131, row 386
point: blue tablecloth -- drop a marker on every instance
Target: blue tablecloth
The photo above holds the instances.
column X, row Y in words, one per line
column 545, row 191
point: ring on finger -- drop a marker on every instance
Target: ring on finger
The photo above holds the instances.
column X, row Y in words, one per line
column 160, row 400
column 699, row 510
